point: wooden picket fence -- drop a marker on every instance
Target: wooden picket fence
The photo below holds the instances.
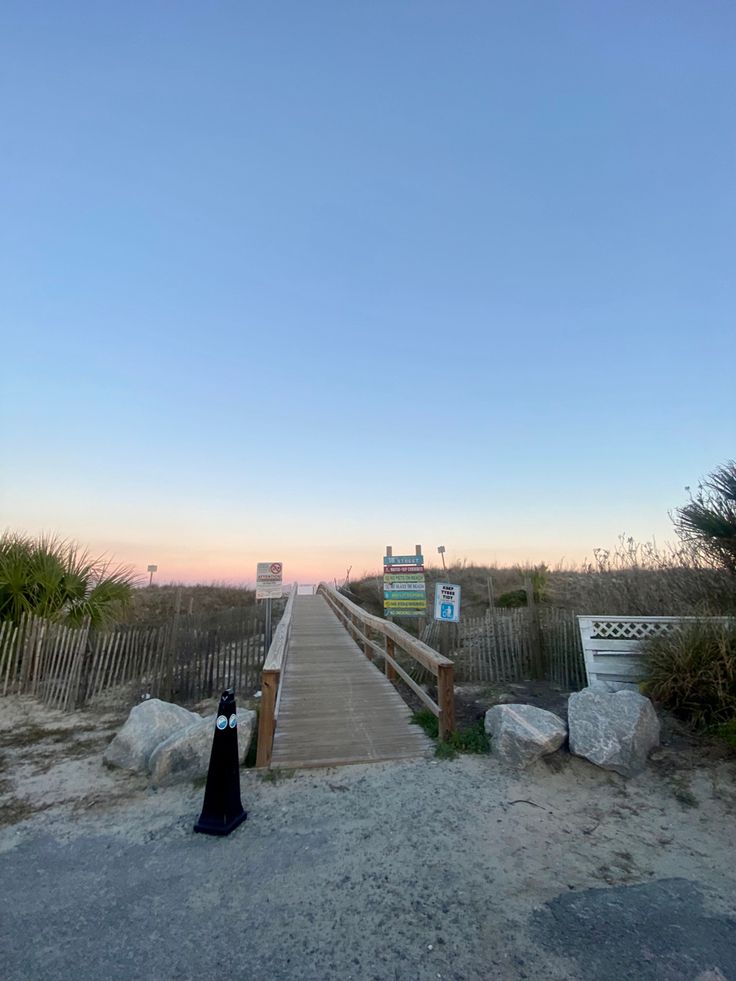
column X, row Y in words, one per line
column 515, row 645
column 184, row 660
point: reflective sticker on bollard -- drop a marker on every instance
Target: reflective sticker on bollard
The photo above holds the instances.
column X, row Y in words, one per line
column 233, row 721
column 222, row 722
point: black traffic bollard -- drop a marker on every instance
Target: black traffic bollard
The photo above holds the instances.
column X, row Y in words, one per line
column 222, row 810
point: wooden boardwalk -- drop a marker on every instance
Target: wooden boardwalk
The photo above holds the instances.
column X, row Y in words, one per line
column 335, row 706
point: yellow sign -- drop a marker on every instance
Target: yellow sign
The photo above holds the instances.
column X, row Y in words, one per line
column 415, row 604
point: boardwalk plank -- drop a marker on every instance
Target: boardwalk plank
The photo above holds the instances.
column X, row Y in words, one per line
column 336, row 707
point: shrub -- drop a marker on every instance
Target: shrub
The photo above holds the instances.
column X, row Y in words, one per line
column 514, row 598
column 708, row 521
column 692, row 672
column 54, row 578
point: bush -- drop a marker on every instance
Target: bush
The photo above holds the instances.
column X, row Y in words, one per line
column 514, row 598
column 54, row 578
column 692, row 672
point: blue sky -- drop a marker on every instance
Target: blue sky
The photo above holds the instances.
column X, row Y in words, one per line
column 293, row 281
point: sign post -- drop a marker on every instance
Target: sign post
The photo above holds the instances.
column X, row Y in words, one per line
column 269, row 583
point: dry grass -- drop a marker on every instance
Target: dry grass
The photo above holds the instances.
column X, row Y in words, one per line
column 633, row 579
column 692, row 672
column 154, row 605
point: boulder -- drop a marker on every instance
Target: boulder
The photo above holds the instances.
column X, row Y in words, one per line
column 520, row 734
column 614, row 730
column 246, row 728
column 148, row 724
column 183, row 756
column 186, row 754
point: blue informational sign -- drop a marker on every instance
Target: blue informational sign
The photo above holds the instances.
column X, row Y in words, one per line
column 447, row 602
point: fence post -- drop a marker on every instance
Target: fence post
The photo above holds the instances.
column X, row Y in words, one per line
column 446, row 699
column 171, row 651
column 535, row 632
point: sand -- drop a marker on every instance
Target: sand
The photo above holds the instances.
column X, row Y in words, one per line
column 411, row 870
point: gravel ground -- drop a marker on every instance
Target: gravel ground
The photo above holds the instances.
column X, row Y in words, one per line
column 432, row 869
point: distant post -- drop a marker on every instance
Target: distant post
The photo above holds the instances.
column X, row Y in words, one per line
column 535, row 631
column 151, row 569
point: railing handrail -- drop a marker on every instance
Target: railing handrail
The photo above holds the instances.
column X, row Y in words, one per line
column 273, row 668
column 426, row 655
column 278, row 651
column 439, row 665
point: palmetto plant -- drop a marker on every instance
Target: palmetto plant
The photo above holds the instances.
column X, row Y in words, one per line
column 709, row 520
column 54, row 578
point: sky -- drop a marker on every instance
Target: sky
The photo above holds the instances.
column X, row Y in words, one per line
column 294, row 281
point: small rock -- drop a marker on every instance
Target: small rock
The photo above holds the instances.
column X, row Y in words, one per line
column 614, row 730
column 521, row 734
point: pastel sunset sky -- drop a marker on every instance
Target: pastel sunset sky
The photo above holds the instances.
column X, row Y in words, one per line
column 295, row 281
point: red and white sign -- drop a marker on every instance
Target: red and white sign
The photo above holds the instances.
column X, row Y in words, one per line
column 269, row 578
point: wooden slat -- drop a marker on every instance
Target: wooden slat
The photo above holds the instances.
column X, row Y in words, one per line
column 336, row 706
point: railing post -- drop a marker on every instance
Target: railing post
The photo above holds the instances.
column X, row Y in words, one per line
column 266, row 721
column 446, row 699
column 390, row 650
column 367, row 649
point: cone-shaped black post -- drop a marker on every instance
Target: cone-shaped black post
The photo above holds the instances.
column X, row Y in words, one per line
column 222, row 810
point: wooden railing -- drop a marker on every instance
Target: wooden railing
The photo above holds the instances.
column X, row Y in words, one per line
column 362, row 625
column 273, row 669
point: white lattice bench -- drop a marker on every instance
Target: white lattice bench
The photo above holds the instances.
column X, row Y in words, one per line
column 612, row 647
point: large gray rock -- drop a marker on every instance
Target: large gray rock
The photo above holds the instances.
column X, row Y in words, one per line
column 148, row 724
column 183, row 756
column 520, row 734
column 614, row 730
column 246, row 728
column 186, row 754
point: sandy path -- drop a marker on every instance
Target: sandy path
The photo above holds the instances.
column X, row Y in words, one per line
column 452, row 870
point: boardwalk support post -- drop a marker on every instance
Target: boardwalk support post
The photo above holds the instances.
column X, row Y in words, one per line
column 446, row 699
column 267, row 716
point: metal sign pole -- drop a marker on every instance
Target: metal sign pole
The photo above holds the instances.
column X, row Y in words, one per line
column 268, row 625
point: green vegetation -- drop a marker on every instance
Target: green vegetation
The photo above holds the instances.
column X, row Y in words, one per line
column 708, row 521
column 513, row 599
column 56, row 579
column 727, row 732
column 692, row 672
column 469, row 739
